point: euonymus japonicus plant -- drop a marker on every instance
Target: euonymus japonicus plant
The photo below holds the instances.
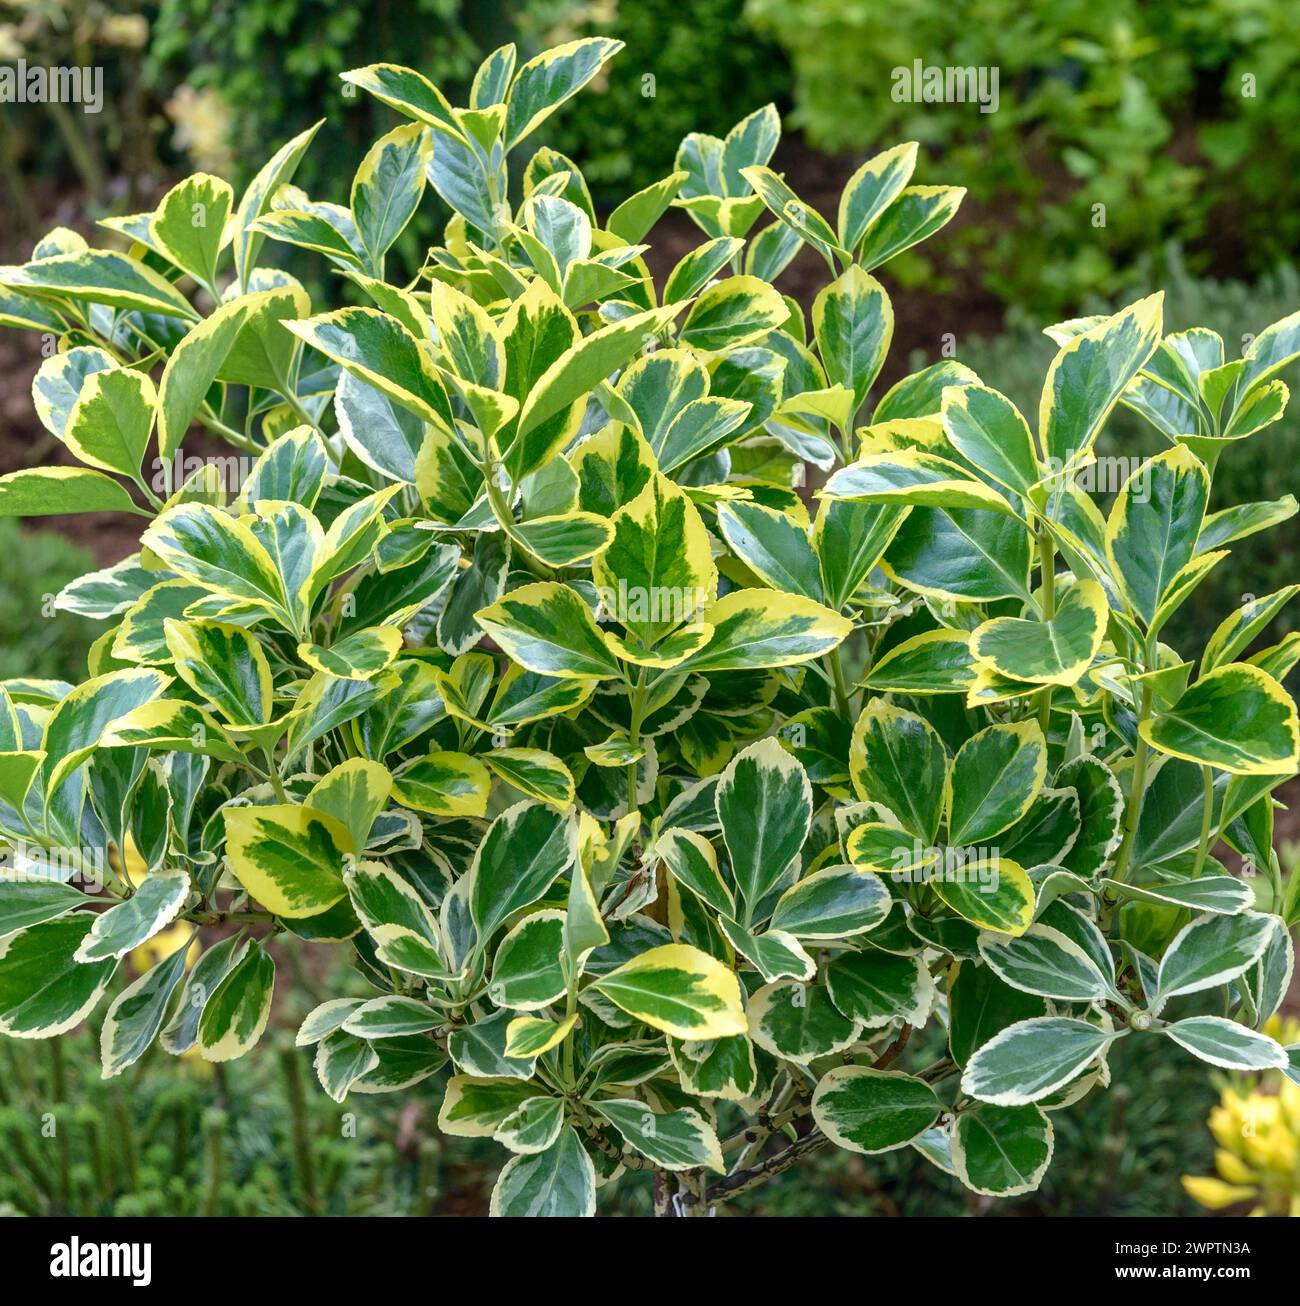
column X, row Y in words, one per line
column 677, row 817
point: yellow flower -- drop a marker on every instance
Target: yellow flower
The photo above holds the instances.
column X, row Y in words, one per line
column 1258, row 1157
column 203, row 122
column 129, row 31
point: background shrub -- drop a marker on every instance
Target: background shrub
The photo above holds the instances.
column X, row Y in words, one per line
column 1177, row 118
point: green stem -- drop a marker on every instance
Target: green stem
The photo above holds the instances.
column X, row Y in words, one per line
column 1047, row 570
column 636, row 698
column 841, row 685
column 273, row 773
column 1207, row 820
column 1137, row 787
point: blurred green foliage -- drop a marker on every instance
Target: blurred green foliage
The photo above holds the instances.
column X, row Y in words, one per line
column 198, row 1143
column 1265, row 466
column 258, row 1137
column 276, row 63
column 1118, row 1153
column 1182, row 120
column 35, row 640
column 687, row 67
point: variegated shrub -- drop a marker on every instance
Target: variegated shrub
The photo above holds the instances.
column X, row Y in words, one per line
column 676, row 815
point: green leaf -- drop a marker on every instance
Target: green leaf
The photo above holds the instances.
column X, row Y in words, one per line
column 657, row 571
column 898, row 760
column 289, row 858
column 1048, row 963
column 849, row 539
column 774, row 954
column 934, row 662
column 1002, row 1151
column 1210, row 951
column 359, row 655
column 872, row 189
column 341, row 1059
column 391, row 1016
column 192, row 368
column 764, row 804
column 1088, row 376
column 764, row 628
column 917, row 213
column 533, row 772
column 913, row 476
column 1227, row 1044
column 680, row 990
column 477, row 1107
column 834, row 902
column 1056, row 651
column 189, row 224
column 182, row 1031
column 960, row 554
column 24, row 903
column 673, row 1140
column 691, row 861
column 526, row 972
column 225, row 666
column 989, row 890
column 52, row 491
column 100, row 276
column 264, row 352
column 995, row 777
column 546, row 82
column 632, row 219
column 151, row 908
column 980, row 1005
column 408, row 92
column 1218, row 894
column 235, row 1016
column 874, row 987
column 379, row 351
column 531, row 1036
column 733, row 312
column 207, row 546
column 559, row 1182
column 532, row 1127
column 1031, row 1059
column 853, row 322
column 387, row 188
column 1237, row 718
column 111, row 421
column 396, row 918
column 136, row 1016
column 575, row 373
column 871, row 1111
column 83, row 716
column 526, row 849
column 44, row 991
column 277, row 171
column 799, row 1022
column 773, row 546
column 547, row 628
column 353, row 793
column 987, row 429
column 444, row 784
column 1153, row 525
